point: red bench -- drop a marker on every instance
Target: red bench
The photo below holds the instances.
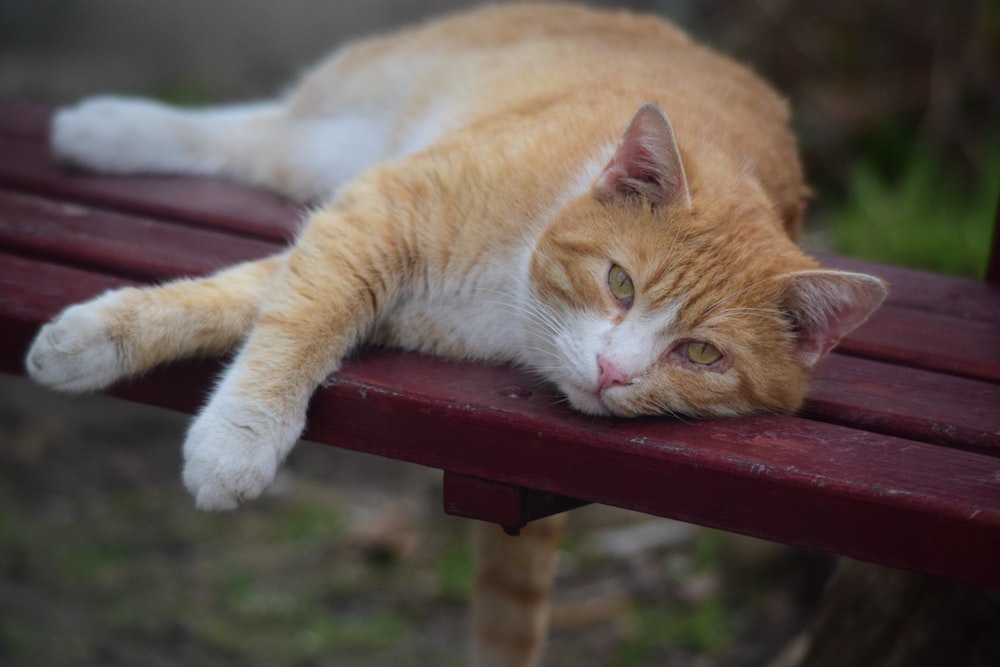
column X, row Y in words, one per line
column 895, row 458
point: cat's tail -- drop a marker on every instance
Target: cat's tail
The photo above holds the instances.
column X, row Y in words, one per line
column 511, row 601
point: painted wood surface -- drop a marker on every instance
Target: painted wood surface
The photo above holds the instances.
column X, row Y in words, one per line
column 895, row 459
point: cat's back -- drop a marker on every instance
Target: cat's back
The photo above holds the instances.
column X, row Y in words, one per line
column 503, row 25
column 584, row 68
column 499, row 55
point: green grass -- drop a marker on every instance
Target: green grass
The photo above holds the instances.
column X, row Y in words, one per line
column 926, row 216
column 702, row 626
column 455, row 570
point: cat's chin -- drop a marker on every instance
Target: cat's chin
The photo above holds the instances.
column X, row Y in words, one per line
column 588, row 402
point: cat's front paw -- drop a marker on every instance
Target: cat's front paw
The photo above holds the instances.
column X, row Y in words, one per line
column 79, row 350
column 120, row 135
column 232, row 453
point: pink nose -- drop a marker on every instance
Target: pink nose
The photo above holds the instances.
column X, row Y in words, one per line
column 610, row 375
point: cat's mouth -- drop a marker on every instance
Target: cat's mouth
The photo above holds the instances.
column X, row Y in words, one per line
column 591, row 401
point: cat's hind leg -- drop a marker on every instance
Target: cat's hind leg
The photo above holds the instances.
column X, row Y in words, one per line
column 127, row 331
column 264, row 144
column 126, row 135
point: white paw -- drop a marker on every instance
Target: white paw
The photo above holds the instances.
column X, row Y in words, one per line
column 77, row 351
column 123, row 135
column 233, row 451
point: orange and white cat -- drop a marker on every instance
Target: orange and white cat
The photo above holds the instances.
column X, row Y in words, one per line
column 587, row 194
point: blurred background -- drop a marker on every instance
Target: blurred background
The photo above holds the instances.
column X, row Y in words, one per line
column 349, row 560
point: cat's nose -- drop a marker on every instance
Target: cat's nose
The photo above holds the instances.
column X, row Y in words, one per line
column 610, row 375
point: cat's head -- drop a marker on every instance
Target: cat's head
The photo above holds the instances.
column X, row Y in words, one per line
column 655, row 296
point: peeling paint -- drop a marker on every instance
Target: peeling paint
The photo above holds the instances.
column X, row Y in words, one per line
column 944, row 429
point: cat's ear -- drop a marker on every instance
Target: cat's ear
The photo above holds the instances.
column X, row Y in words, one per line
column 827, row 305
column 646, row 163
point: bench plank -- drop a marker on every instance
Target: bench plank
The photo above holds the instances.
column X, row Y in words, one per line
column 931, row 341
column 27, row 167
column 31, row 292
column 24, row 119
column 907, row 402
column 127, row 245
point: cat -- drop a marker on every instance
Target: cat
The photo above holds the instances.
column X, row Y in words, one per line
column 587, row 194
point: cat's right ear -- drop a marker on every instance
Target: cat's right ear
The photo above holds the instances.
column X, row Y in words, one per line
column 827, row 305
column 647, row 163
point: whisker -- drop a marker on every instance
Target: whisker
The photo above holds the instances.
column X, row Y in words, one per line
column 663, row 408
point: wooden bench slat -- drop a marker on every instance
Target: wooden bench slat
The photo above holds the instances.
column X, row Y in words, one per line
column 51, row 287
column 24, row 119
column 26, row 304
column 907, row 402
column 126, row 245
column 930, row 341
column 27, row 167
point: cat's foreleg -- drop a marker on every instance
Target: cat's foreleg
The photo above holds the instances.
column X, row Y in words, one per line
column 127, row 331
column 512, row 595
column 322, row 303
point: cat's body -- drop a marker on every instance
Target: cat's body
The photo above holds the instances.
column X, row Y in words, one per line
column 479, row 199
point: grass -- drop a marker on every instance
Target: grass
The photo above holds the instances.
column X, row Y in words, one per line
column 925, row 216
column 455, row 570
column 702, row 625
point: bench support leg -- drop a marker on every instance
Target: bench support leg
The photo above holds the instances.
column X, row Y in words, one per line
column 510, row 506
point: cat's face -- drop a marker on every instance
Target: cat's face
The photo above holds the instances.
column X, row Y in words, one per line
column 651, row 301
column 653, row 312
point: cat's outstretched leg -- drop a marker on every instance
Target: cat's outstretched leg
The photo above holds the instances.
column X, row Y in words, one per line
column 127, row 331
column 511, row 601
column 128, row 135
column 304, row 157
column 346, row 265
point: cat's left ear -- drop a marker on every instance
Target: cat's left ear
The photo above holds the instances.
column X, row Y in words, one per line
column 646, row 163
column 827, row 305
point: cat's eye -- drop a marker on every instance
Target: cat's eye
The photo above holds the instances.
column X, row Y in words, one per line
column 621, row 285
column 700, row 352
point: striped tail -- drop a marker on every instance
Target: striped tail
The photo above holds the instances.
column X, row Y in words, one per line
column 511, row 599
